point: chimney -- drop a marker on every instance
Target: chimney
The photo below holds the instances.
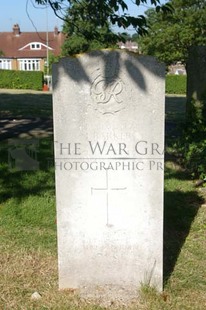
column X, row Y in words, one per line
column 16, row 30
column 56, row 31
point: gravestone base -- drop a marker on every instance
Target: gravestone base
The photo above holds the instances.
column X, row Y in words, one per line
column 110, row 295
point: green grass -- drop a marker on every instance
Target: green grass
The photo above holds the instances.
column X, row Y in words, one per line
column 176, row 84
column 29, row 252
column 28, row 243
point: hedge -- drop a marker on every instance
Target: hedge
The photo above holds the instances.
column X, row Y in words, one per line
column 12, row 79
column 176, row 84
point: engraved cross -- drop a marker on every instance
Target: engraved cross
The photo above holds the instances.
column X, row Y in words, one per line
column 107, row 190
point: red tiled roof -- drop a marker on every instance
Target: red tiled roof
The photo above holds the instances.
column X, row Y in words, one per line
column 11, row 44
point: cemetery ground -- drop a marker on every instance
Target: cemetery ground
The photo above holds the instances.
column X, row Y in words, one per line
column 28, row 254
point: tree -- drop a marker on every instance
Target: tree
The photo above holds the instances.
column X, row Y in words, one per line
column 102, row 12
column 169, row 38
column 52, row 59
column 82, row 31
column 170, row 35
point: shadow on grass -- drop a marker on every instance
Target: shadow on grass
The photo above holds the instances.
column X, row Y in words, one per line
column 180, row 210
column 175, row 109
column 30, row 128
column 21, row 184
column 177, row 172
column 25, row 113
column 25, row 105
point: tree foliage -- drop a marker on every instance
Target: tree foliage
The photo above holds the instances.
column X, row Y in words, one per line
column 170, row 35
column 82, row 31
column 102, row 12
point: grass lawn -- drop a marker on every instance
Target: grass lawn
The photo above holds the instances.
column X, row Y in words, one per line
column 28, row 254
column 25, row 104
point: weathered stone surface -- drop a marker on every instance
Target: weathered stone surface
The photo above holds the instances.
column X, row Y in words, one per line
column 109, row 140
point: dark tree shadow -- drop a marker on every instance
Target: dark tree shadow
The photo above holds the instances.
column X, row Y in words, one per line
column 180, row 209
column 32, row 127
column 13, row 183
column 25, row 105
column 112, row 64
column 136, row 74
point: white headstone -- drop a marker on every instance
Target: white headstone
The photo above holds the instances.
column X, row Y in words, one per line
column 109, row 141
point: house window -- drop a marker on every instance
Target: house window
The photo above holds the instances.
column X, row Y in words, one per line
column 5, row 64
column 35, row 46
column 29, row 64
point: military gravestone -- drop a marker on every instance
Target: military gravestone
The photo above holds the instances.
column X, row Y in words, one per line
column 109, row 141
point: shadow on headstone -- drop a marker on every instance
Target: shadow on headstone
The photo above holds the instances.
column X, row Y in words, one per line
column 76, row 71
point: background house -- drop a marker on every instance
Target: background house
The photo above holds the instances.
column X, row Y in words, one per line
column 178, row 69
column 129, row 45
column 28, row 50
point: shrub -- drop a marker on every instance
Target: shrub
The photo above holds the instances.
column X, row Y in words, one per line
column 192, row 144
column 12, row 79
column 176, row 84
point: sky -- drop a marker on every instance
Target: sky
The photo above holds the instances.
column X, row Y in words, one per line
column 32, row 17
